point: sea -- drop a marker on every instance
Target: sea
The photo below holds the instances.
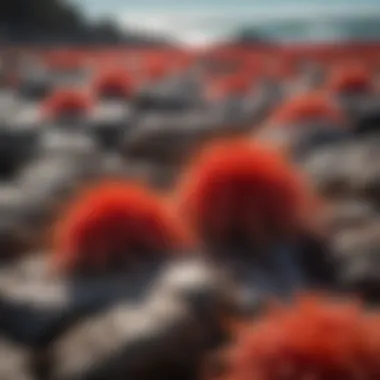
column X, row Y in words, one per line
column 201, row 22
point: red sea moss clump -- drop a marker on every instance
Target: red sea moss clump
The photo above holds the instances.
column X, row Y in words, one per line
column 308, row 108
column 155, row 69
column 66, row 102
column 62, row 60
column 317, row 338
column 238, row 83
column 350, row 80
column 239, row 187
column 115, row 222
column 114, row 83
column 233, row 84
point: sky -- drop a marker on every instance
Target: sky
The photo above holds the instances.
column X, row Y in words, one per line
column 203, row 21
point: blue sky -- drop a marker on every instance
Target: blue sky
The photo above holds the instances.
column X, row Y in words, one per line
column 204, row 20
column 116, row 6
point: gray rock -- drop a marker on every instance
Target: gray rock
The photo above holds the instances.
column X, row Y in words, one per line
column 168, row 138
column 349, row 213
column 147, row 342
column 207, row 289
column 18, row 144
column 358, row 251
column 15, row 232
column 72, row 144
column 328, row 169
column 108, row 122
column 40, row 306
column 48, row 181
column 14, row 362
column 35, row 86
column 350, row 168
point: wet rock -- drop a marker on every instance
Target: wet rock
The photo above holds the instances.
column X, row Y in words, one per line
column 51, row 180
column 58, row 142
column 38, row 306
column 303, row 140
column 328, row 169
column 200, row 284
column 146, row 342
column 15, row 232
column 14, row 362
column 171, row 96
column 367, row 119
column 358, row 252
column 168, row 139
column 18, row 144
column 363, row 166
column 232, row 110
column 9, row 103
column 363, row 111
column 349, row 213
column 108, row 122
column 349, row 168
column 36, row 87
column 143, row 336
column 35, row 83
column 310, row 138
column 143, row 343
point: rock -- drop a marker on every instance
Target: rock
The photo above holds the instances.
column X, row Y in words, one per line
column 107, row 124
column 72, row 144
column 38, row 307
column 358, row 252
column 172, row 95
column 349, row 169
column 18, row 144
column 200, row 284
column 368, row 118
column 14, row 362
column 363, row 111
column 328, row 169
column 48, row 181
column 15, row 233
column 35, row 87
column 168, row 138
column 142, row 343
column 302, row 140
column 349, row 213
column 363, row 175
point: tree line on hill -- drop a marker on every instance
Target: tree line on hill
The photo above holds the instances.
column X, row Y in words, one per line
column 57, row 21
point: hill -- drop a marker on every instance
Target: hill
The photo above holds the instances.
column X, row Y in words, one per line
column 56, row 21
